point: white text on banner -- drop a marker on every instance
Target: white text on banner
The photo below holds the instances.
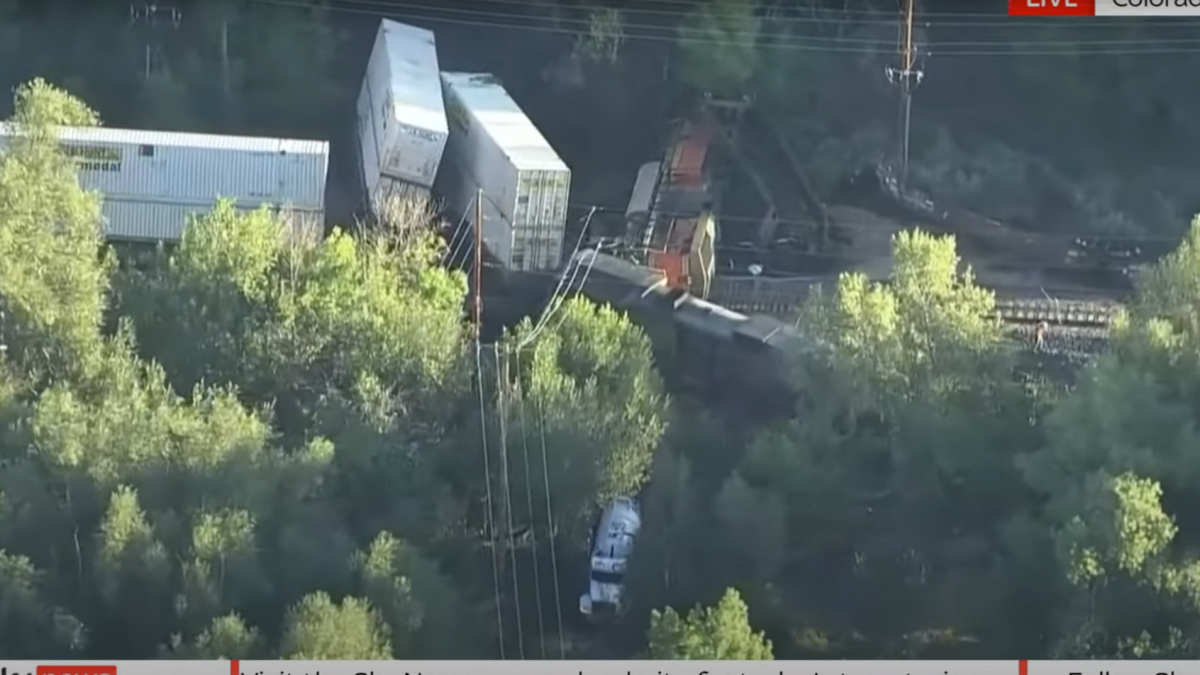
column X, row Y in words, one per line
column 1148, row 8
column 1114, row 668
column 630, row 668
column 116, row 667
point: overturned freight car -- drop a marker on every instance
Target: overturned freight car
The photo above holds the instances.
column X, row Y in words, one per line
column 495, row 149
column 742, row 361
column 401, row 119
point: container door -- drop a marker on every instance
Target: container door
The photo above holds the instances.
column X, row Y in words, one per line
column 539, row 217
column 301, row 184
column 264, row 185
column 415, row 156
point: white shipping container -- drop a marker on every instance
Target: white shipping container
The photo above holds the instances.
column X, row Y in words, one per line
column 180, row 171
column 368, row 146
column 459, row 194
column 642, row 197
column 498, row 148
column 401, row 118
column 387, row 188
column 127, row 220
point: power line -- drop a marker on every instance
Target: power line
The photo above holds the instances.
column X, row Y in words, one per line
column 452, row 248
column 582, row 284
column 559, row 292
column 537, row 575
column 489, row 520
column 906, row 78
column 1148, row 47
column 806, row 14
column 154, row 18
column 671, row 32
column 551, row 529
column 501, row 414
column 872, row 223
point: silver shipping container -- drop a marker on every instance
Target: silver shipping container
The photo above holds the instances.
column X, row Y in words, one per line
column 494, row 146
column 642, row 197
column 145, row 175
column 128, row 220
column 458, row 191
column 401, row 120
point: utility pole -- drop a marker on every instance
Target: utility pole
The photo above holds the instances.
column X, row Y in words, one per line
column 154, row 18
column 906, row 77
column 478, row 264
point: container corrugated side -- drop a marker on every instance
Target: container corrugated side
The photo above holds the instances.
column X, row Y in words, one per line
column 414, row 77
column 478, row 154
column 642, row 197
column 414, row 156
column 368, row 144
column 147, row 221
column 373, row 96
column 497, row 234
column 540, row 217
column 405, row 84
column 127, row 220
column 197, row 175
column 459, row 190
column 387, row 189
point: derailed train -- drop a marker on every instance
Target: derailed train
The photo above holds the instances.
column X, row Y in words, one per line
column 741, row 360
column 744, row 361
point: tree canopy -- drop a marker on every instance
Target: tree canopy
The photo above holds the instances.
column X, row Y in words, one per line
column 264, row 443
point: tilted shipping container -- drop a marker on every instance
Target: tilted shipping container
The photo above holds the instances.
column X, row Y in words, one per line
column 401, row 119
column 150, row 180
column 498, row 149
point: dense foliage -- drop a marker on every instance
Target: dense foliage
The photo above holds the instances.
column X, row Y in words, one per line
column 265, row 444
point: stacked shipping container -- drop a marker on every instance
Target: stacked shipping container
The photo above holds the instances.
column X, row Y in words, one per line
column 495, row 148
column 152, row 181
column 401, row 120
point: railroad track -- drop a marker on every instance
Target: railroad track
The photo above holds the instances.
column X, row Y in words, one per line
column 783, row 298
column 1083, row 313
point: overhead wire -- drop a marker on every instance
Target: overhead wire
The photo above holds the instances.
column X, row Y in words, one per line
column 452, row 249
column 533, row 542
column 849, row 45
column 798, row 15
column 556, row 298
column 501, row 414
column 490, row 524
column 489, row 520
column 811, row 13
column 754, row 35
column 552, row 530
column 582, row 284
column 873, row 222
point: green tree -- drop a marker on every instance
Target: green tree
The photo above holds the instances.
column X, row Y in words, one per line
column 227, row 637
column 52, row 286
column 903, row 455
column 318, row 629
column 429, row 617
column 718, row 45
column 589, row 398
column 29, row 623
column 720, row 633
column 1118, row 474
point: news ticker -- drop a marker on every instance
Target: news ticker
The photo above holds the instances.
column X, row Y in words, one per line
column 1145, row 8
column 602, row 668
